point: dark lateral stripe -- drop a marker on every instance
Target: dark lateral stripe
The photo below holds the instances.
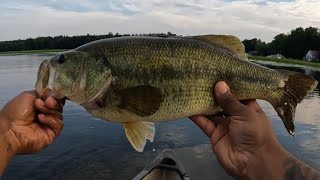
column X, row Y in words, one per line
column 149, row 58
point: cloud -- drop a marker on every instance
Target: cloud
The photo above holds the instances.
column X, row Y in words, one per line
column 245, row 19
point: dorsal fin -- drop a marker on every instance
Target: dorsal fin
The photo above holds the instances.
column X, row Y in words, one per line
column 227, row 42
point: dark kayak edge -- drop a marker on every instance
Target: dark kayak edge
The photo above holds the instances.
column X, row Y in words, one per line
column 164, row 166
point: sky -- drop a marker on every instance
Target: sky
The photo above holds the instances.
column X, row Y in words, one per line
column 21, row 19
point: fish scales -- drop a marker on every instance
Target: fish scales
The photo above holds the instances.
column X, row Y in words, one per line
column 185, row 71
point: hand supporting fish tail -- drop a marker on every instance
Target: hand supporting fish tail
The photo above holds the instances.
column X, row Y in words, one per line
column 245, row 144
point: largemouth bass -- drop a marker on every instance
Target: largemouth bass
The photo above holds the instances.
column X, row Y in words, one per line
column 140, row 80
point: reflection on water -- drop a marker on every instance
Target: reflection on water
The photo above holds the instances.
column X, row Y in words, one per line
column 89, row 148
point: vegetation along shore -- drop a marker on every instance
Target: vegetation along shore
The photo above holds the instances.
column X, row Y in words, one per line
column 43, row 51
column 286, row 61
column 300, row 47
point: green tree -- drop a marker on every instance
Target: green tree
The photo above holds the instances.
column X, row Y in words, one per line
column 262, row 48
column 250, row 45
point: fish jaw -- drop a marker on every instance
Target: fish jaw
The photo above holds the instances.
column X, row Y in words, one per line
column 43, row 76
column 45, row 81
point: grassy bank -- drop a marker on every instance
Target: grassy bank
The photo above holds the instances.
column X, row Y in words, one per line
column 261, row 58
column 287, row 61
column 44, row 51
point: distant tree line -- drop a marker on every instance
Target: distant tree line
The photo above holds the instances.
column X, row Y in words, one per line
column 63, row 42
column 293, row 45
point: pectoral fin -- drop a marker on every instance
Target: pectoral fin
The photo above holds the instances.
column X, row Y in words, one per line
column 138, row 133
column 141, row 100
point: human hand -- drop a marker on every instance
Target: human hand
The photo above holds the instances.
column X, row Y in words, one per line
column 243, row 138
column 30, row 124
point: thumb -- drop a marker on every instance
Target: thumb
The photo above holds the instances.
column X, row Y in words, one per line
column 226, row 100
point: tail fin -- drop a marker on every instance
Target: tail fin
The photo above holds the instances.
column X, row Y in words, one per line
column 296, row 87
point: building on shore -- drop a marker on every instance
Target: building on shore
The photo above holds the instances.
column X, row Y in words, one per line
column 313, row 55
column 252, row 53
column 276, row 56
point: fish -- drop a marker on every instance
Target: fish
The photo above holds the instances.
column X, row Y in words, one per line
column 140, row 80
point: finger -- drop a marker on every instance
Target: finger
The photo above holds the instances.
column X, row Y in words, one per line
column 58, row 101
column 30, row 93
column 216, row 119
column 253, row 104
column 205, row 124
column 226, row 100
column 53, row 122
column 40, row 106
column 51, row 134
column 54, row 104
column 220, row 131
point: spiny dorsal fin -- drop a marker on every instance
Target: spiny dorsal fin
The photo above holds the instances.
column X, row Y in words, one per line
column 228, row 42
column 142, row 100
column 138, row 133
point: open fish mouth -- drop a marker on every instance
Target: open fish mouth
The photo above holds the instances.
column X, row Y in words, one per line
column 45, row 81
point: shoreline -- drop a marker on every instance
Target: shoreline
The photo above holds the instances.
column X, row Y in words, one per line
column 261, row 62
column 32, row 52
column 285, row 62
column 257, row 59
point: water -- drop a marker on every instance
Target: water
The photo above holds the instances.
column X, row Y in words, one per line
column 89, row 148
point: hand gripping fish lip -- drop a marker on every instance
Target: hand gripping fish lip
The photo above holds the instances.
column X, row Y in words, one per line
column 47, row 74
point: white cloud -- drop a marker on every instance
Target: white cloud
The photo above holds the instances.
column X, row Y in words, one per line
column 245, row 19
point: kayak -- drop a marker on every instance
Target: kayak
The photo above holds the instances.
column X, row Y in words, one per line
column 164, row 166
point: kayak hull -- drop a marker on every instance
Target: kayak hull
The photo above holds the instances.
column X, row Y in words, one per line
column 164, row 166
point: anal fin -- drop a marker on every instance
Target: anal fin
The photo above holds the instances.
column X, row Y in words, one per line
column 138, row 133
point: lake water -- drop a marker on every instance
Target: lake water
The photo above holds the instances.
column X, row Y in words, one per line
column 90, row 148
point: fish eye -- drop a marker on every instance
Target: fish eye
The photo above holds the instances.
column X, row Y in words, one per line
column 61, row 59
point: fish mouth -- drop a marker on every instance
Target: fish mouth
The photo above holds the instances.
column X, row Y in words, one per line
column 43, row 76
column 45, row 81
